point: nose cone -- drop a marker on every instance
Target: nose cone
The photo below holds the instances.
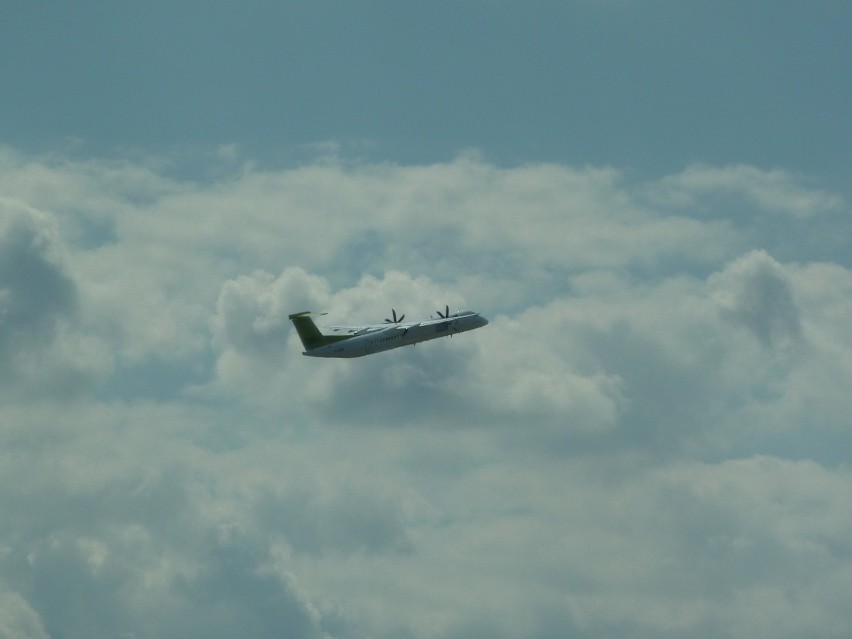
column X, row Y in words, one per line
column 482, row 321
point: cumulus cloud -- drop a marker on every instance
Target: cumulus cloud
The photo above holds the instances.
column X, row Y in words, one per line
column 252, row 310
column 42, row 346
column 118, row 539
column 755, row 292
column 36, row 288
column 645, row 441
column 775, row 191
column 713, row 525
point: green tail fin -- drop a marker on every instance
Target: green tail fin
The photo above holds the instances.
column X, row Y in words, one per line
column 308, row 331
column 310, row 334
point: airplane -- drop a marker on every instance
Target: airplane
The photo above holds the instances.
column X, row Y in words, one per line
column 357, row 341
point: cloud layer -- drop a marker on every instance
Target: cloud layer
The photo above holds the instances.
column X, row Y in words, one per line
column 646, row 441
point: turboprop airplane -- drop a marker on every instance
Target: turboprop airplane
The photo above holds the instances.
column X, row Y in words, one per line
column 357, row 341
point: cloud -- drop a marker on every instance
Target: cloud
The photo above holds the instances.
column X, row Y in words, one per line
column 42, row 347
column 755, row 292
column 17, row 619
column 36, row 289
column 232, row 591
column 775, row 191
column 107, row 537
column 740, row 522
column 647, row 439
column 252, row 310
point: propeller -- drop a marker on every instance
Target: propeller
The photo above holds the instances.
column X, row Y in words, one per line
column 395, row 320
column 446, row 312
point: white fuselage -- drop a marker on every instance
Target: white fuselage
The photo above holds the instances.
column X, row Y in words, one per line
column 374, row 339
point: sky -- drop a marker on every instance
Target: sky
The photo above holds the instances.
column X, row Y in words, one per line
column 650, row 202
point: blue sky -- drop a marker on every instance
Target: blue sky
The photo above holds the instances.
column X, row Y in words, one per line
column 649, row 201
column 649, row 85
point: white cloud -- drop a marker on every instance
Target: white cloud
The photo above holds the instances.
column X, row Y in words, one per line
column 775, row 191
column 17, row 619
column 645, row 441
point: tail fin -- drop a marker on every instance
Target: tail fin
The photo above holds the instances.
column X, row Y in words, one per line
column 308, row 331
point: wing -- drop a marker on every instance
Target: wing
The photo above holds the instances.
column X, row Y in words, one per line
column 439, row 321
column 363, row 329
column 352, row 331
